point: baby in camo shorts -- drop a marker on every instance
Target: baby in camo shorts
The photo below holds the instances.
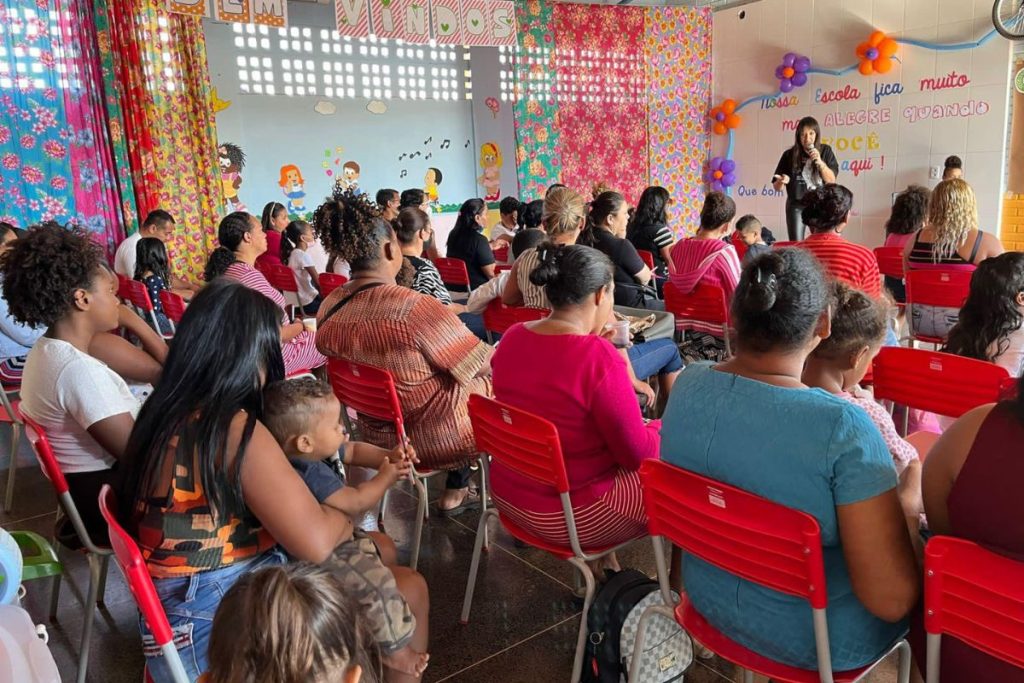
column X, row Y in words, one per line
column 305, row 418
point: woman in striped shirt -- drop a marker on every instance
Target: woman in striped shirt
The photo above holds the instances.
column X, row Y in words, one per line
column 826, row 212
column 242, row 241
column 649, row 229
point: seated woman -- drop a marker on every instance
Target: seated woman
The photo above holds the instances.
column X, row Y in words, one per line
column 971, row 490
column 649, row 228
column 234, row 503
column 826, row 213
column 950, row 240
column 15, row 338
column 467, row 243
column 907, row 218
column 326, row 220
column 241, row 240
column 531, row 214
column 735, row 422
column 563, row 368
column 435, row 361
column 606, row 232
column 991, row 322
column 56, row 279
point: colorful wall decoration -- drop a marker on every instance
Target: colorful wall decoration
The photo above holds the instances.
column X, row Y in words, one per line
column 461, row 22
column 264, row 12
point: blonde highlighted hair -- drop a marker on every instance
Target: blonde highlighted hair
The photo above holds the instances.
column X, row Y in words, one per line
column 952, row 214
column 564, row 211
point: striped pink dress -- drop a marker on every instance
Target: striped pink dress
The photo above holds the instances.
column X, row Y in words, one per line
column 300, row 353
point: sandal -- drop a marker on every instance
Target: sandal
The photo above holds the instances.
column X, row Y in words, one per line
column 470, row 502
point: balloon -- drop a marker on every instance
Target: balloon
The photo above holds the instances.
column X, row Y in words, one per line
column 883, row 66
column 732, row 121
column 717, row 175
column 728, row 166
column 802, row 64
column 778, row 71
column 720, row 116
column 788, row 59
column 876, row 38
column 887, row 48
column 799, row 79
column 872, row 53
column 716, row 163
column 862, row 50
column 720, row 129
column 729, row 180
column 788, row 72
column 786, row 85
column 717, row 186
column 729, row 106
column 865, row 68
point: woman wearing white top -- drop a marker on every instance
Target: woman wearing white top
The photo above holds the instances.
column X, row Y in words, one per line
column 56, row 278
column 295, row 243
column 327, row 229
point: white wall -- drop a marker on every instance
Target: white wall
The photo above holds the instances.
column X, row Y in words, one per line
column 746, row 52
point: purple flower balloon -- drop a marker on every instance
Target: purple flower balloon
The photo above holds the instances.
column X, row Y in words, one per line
column 786, row 85
column 799, row 79
column 802, row 64
column 789, row 59
column 729, row 180
column 792, row 73
column 721, row 174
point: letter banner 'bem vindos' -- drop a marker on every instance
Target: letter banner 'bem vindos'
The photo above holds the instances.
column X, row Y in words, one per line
column 266, row 12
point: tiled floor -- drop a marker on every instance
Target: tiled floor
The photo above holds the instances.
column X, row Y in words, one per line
column 522, row 627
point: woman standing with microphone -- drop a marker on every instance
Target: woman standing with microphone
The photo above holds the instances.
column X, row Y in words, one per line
column 806, row 166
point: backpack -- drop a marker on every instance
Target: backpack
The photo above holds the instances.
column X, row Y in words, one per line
column 611, row 631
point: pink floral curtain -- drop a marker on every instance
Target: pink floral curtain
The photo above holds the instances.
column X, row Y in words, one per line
column 602, row 97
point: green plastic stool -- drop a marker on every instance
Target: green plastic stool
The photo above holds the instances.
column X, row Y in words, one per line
column 40, row 561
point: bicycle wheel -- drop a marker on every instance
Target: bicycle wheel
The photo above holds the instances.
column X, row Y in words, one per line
column 1008, row 18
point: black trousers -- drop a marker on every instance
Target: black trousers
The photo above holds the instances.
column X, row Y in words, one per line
column 794, row 221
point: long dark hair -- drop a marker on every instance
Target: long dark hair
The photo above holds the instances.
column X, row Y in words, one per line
column 466, row 229
column 410, row 221
column 230, row 232
column 151, row 255
column 799, row 152
column 908, row 211
column 531, row 215
column 229, row 336
column 603, row 206
column 991, row 313
column 291, row 238
column 270, row 212
column 652, row 209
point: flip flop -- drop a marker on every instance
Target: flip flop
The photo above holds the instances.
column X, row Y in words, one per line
column 468, row 503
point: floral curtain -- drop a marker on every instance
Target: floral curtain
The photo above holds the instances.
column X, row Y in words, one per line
column 55, row 150
column 678, row 43
column 156, row 66
column 535, row 111
column 602, row 97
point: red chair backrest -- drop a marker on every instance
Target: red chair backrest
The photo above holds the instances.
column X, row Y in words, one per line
column 501, row 254
column 498, row 317
column 453, row 271
column 367, row 390
column 746, row 535
column 706, row 303
column 280, row 277
column 519, row 440
column 330, row 282
column 44, row 454
column 975, row 595
column 138, row 295
column 739, row 245
column 947, row 288
column 129, row 559
column 783, row 245
column 647, row 257
column 890, row 261
column 937, row 382
column 174, row 305
column 122, row 288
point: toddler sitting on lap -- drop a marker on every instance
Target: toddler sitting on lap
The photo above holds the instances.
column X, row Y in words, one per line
column 304, row 416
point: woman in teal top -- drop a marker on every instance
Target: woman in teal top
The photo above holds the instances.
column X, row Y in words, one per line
column 752, row 423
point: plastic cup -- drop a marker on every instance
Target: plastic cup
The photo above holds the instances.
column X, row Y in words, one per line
column 620, row 333
column 310, row 324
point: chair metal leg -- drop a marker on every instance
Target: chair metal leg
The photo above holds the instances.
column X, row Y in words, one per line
column 54, row 596
column 90, row 609
column 383, row 504
column 102, row 591
column 581, row 638
column 421, row 514
column 483, row 498
column 638, row 644
column 905, row 657
column 12, row 467
column 474, row 566
column 748, row 676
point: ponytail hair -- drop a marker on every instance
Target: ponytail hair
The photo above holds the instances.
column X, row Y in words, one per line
column 564, row 210
column 230, row 232
column 604, row 205
column 270, row 211
column 570, row 273
column 291, row 238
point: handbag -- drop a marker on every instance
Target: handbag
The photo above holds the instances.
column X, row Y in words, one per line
column 646, row 325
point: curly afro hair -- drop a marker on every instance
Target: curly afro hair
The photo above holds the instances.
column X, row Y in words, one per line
column 355, row 229
column 42, row 270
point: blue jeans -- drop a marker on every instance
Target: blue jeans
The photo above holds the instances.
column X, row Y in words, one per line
column 660, row 356
column 190, row 603
column 475, row 323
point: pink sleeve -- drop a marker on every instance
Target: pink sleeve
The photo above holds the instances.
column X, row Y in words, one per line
column 729, row 266
column 615, row 410
column 902, row 452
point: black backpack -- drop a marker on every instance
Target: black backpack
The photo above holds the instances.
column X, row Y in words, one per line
column 602, row 661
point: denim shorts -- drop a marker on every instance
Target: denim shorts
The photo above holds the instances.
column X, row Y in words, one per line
column 933, row 321
column 656, row 357
column 190, row 603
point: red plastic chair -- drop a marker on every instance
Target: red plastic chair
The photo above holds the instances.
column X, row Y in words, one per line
column 890, row 261
column 453, row 272
column 706, row 304
column 739, row 245
column 529, row 445
column 975, row 595
column 282, row 279
column 138, row 296
column 129, row 559
column 498, row 317
column 174, row 306
column 371, row 392
column 98, row 557
column 330, row 282
column 122, row 288
column 9, row 415
column 783, row 245
column 936, row 382
column 501, row 254
column 647, row 257
column 751, row 537
column 945, row 288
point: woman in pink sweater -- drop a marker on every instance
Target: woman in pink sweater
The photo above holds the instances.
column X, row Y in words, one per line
column 564, row 369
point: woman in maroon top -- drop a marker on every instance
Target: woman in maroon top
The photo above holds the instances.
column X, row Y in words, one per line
column 971, row 487
column 274, row 221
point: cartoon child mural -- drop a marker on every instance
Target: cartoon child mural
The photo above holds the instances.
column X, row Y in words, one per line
column 430, row 182
column 232, row 161
column 490, row 161
column 293, row 186
column 349, row 178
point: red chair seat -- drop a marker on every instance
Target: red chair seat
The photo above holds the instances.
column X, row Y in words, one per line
column 559, row 551
column 694, row 623
column 7, row 418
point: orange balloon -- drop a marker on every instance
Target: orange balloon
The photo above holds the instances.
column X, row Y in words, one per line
column 720, row 129
column 732, row 121
column 862, row 50
column 883, row 66
column 876, row 38
column 887, row 48
column 866, row 68
column 788, row 72
column 717, row 175
column 729, row 106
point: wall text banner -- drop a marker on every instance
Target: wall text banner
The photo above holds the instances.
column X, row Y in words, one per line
column 266, row 12
column 353, row 17
column 193, row 8
column 270, row 12
column 407, row 20
column 446, row 21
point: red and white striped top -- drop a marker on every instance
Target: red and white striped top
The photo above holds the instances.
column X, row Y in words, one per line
column 848, row 262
